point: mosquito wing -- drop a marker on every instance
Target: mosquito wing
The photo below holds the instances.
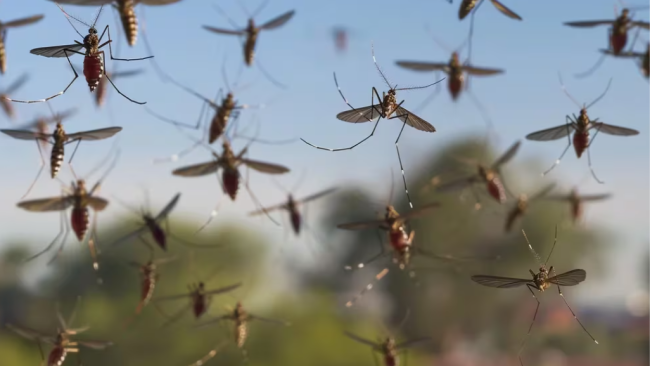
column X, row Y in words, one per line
column 47, row 204
column 157, row 2
column 22, row 21
column 457, row 184
column 641, row 24
column 499, row 282
column 268, row 320
column 99, row 345
column 363, row 340
column 543, row 192
column 317, row 195
column 420, row 211
column 224, row 31
column 504, row 10
column 17, row 84
column 121, row 74
column 270, row 208
column 197, row 170
column 31, row 334
column 223, row 289
column 214, row 320
column 170, row 206
column 507, row 155
column 173, row 297
column 411, row 342
column 267, row 168
column 624, row 54
column 595, row 197
column 93, row 135
column 361, row 225
column 570, row 278
column 97, row 203
column 57, row 51
column 481, row 71
column 278, row 21
column 85, row 2
column 414, row 121
column 27, row 135
column 128, row 237
column 363, row 114
column 614, row 130
column 423, row 66
column 550, row 134
column 589, row 23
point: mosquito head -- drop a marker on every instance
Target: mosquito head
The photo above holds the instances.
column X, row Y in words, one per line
column 389, row 343
column 230, row 97
column 454, row 58
column 81, row 184
column 392, row 91
column 201, row 286
column 92, row 30
column 251, row 23
column 625, row 12
column 543, row 270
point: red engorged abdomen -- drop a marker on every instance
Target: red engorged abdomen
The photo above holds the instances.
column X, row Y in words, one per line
column 159, row 236
column 199, row 306
column 495, row 188
column 93, row 70
column 230, row 179
column 580, row 142
column 617, row 42
column 79, row 222
column 56, row 357
column 576, row 210
column 398, row 239
column 455, row 84
column 390, row 360
column 295, row 222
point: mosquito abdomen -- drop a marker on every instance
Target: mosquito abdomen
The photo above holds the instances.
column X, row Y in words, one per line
column 496, row 190
column 129, row 21
column 79, row 221
column 249, row 49
column 617, row 41
column 230, row 180
column 219, row 123
column 465, row 8
column 240, row 334
column 93, row 70
column 56, row 356
column 580, row 142
column 3, row 56
column 56, row 159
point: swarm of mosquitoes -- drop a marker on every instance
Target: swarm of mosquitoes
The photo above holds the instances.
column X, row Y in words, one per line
column 486, row 179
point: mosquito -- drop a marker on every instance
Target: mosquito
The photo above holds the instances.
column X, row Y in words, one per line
column 490, row 176
column 61, row 342
column 126, row 10
column 94, row 57
column 581, row 125
column 540, row 281
column 521, row 207
column 576, row 201
column 643, row 59
column 387, row 347
column 387, row 109
column 41, row 124
column 466, row 7
column 3, row 36
column 58, row 139
column 340, row 35
column 4, row 103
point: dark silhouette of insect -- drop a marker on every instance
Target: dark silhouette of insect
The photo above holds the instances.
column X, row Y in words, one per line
column 4, row 103
column 387, row 347
column 466, row 7
column 643, row 59
column 581, row 124
column 126, row 10
column 340, row 35
column 41, row 125
column 540, row 281
column 61, row 342
column 490, row 176
column 3, row 36
column 94, row 57
column 521, row 206
column 388, row 108
column 576, row 201
column 58, row 140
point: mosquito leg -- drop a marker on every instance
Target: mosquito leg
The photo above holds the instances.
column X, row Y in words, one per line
column 209, row 355
column 428, row 99
column 75, row 149
column 368, row 287
column 268, row 76
column 574, row 315
column 589, row 157
column 258, row 203
column 408, row 196
column 591, row 70
column 111, row 81
column 382, row 252
column 65, row 230
column 52, row 243
column 568, row 126
column 110, row 50
column 161, row 74
column 40, row 170
column 523, row 342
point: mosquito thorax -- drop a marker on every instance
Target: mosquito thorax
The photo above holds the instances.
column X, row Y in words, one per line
column 91, row 42
column 59, row 132
column 455, row 61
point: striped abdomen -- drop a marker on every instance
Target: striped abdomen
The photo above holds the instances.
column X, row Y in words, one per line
column 93, row 70
column 3, row 56
column 56, row 159
column 129, row 21
column 148, row 285
column 249, row 49
column 496, row 190
column 580, row 142
column 6, row 106
column 79, row 221
column 218, row 124
column 398, row 239
column 230, row 180
column 240, row 334
column 56, row 356
column 465, row 8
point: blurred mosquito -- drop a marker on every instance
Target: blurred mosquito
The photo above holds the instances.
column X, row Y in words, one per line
column 152, row 225
column 61, row 342
column 643, row 59
column 251, row 32
column 41, row 125
column 466, row 7
column 576, row 201
column 213, row 352
column 126, row 10
column 340, row 35
column 540, row 281
column 387, row 109
column 490, row 176
column 521, row 207
column 58, row 140
column 581, row 125
column 4, row 94
column 94, row 58
column 79, row 198
column 3, row 36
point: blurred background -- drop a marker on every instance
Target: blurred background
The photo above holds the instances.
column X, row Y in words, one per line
column 302, row 279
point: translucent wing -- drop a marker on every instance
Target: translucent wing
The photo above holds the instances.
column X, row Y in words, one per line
column 56, row 51
column 121, row 74
column 594, row 197
column 614, row 130
column 270, row 208
column 505, row 11
column 170, row 206
column 457, row 184
column 640, row 24
column 173, row 297
column 543, row 192
column 411, row 342
column 17, row 84
column 128, row 237
column 95, row 344
column 570, row 278
column 26, row 135
column 481, row 71
column 223, row 289
column 224, row 31
column 157, row 2
column 500, row 282
column 507, row 155
column 267, row 168
column 31, row 333
column 47, row 204
column 589, row 23
column 197, row 170
column 624, row 54
column 278, row 21
column 363, row 340
column 363, row 114
column 558, row 197
column 414, row 121
column 550, row 134
column 21, row 22
column 317, row 195
column 98, row 204
column 361, row 225
column 420, row 211
column 100, row 134
column 215, row 320
column 423, row 66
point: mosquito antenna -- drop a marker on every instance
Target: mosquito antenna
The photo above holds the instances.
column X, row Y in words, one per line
column 277, row 184
column 553, row 247
column 110, row 168
column 566, row 91
column 223, row 13
column 99, row 12
column 438, row 41
column 374, row 59
column 299, row 181
column 421, row 87
column 537, row 257
column 244, row 9
column 602, row 95
column 591, row 70
column 392, row 187
column 259, row 8
column 126, row 205
column 68, row 17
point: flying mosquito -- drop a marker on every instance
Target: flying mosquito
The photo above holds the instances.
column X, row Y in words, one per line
column 576, row 201
column 387, row 347
column 387, row 109
column 643, row 59
column 490, row 176
column 94, row 57
column 466, row 7
column 61, row 342
column 58, row 139
column 540, row 281
column 4, row 26
column 521, row 207
column 4, row 103
column 41, row 125
column 580, row 125
column 126, row 10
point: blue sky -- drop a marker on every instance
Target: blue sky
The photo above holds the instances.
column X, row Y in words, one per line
column 301, row 54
